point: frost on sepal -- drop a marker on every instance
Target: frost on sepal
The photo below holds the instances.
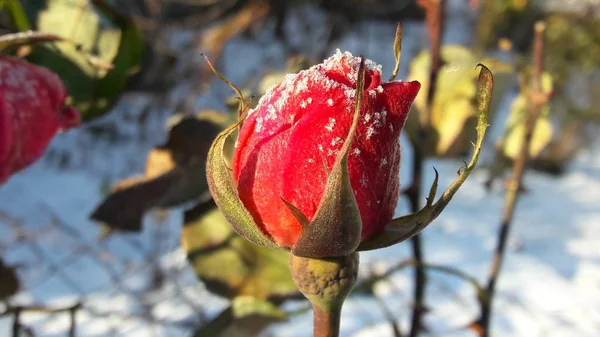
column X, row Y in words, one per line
column 337, row 225
column 405, row 227
column 222, row 185
column 224, row 191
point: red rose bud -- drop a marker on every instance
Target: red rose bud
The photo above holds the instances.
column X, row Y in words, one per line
column 289, row 143
column 32, row 111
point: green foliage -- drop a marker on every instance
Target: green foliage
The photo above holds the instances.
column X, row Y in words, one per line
column 229, row 265
column 246, row 317
column 571, row 43
column 95, row 37
column 17, row 14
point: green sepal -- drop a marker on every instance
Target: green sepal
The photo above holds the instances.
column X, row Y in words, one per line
column 405, row 227
column 221, row 183
column 336, row 227
column 224, row 191
column 25, row 38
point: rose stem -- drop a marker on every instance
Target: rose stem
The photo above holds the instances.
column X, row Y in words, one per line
column 537, row 99
column 325, row 283
column 434, row 20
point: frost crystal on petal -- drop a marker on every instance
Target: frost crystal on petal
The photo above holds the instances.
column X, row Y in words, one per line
column 356, row 152
column 259, row 124
column 330, row 124
column 330, row 102
column 302, row 85
column 367, row 118
column 364, row 181
column 377, row 119
column 350, row 93
column 271, row 113
column 370, row 132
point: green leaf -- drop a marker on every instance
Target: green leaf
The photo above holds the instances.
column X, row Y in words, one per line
column 226, row 324
column 93, row 39
column 229, row 265
column 18, row 15
column 244, row 306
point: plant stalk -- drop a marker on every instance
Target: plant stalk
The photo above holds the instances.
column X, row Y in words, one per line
column 326, row 282
column 327, row 320
column 537, row 99
column 434, row 20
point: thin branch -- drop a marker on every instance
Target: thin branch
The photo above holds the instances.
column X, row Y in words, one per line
column 389, row 316
column 16, row 327
column 434, row 20
column 537, row 99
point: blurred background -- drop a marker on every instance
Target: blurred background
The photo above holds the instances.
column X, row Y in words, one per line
column 113, row 231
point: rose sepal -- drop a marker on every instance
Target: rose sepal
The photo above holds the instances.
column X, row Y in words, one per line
column 405, row 227
column 336, row 227
column 221, row 183
column 224, row 191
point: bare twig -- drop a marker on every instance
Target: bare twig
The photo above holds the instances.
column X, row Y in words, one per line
column 537, row 99
column 389, row 316
column 434, row 21
column 16, row 327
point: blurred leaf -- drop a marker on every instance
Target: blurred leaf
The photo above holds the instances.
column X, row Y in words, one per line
column 215, row 38
column 226, row 324
column 540, row 139
column 454, row 101
column 9, row 282
column 572, row 43
column 17, row 14
column 248, row 306
column 102, row 50
column 294, row 65
column 211, row 243
column 515, row 125
column 174, row 174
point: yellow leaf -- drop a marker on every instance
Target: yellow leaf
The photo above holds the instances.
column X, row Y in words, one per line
column 542, row 135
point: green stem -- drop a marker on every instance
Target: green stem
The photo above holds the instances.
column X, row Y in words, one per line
column 327, row 320
column 326, row 283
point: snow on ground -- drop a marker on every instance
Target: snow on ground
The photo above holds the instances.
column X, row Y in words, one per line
column 549, row 285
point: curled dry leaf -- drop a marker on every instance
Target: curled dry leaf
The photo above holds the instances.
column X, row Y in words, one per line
column 174, row 174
